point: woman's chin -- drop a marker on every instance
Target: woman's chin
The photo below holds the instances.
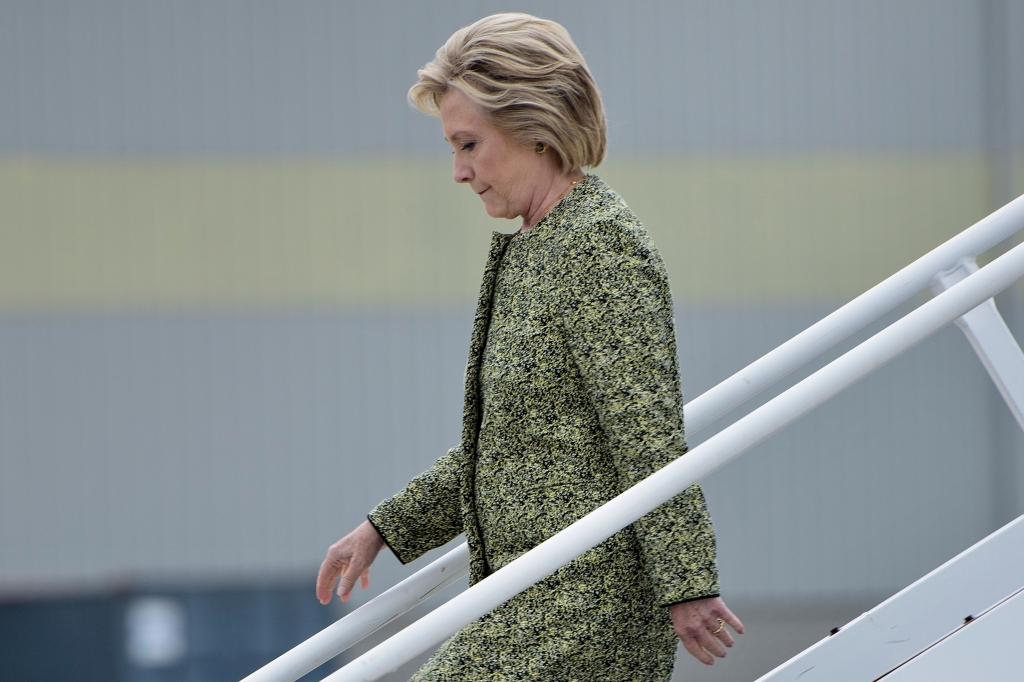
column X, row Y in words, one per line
column 497, row 211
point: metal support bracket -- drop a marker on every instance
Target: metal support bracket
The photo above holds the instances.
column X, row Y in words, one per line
column 991, row 340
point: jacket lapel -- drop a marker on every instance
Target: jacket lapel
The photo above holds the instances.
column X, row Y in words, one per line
column 472, row 409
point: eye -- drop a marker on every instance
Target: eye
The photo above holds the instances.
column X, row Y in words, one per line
column 468, row 146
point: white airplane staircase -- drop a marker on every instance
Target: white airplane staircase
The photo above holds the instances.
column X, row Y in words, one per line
column 965, row 619
column 962, row 621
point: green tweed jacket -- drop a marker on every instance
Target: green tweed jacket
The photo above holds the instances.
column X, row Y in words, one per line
column 572, row 396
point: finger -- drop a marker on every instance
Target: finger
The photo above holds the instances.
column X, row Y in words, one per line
column 325, row 580
column 333, row 565
column 723, row 635
column 696, row 650
column 364, row 579
column 348, row 578
column 728, row 616
column 323, row 587
column 710, row 643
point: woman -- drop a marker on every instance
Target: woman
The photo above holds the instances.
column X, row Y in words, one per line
column 572, row 389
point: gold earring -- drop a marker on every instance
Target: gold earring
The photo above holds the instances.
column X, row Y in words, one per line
column 541, row 147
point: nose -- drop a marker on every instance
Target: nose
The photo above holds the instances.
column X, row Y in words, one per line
column 461, row 172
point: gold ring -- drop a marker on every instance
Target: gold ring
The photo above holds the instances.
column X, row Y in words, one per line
column 721, row 626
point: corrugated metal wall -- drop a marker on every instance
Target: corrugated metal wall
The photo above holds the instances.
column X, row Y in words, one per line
column 236, row 280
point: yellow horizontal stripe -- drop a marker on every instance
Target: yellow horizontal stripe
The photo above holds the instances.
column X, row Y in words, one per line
column 200, row 233
column 803, row 228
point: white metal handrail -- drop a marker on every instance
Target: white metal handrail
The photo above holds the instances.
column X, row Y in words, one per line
column 661, row 486
column 700, row 412
column 854, row 316
column 379, row 611
column 991, row 339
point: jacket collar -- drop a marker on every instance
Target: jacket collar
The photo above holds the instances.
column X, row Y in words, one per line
column 567, row 207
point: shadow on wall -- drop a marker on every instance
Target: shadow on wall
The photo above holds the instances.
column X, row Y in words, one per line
column 178, row 634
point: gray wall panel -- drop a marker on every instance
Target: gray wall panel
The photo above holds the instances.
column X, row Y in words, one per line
column 108, row 76
column 213, row 445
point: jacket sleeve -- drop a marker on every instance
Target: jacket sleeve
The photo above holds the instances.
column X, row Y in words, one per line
column 423, row 515
column 616, row 310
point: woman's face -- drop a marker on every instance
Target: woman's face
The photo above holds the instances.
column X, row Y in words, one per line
column 509, row 177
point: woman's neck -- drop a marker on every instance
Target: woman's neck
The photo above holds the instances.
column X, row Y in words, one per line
column 562, row 185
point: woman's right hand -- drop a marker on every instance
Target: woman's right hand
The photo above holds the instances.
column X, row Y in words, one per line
column 349, row 557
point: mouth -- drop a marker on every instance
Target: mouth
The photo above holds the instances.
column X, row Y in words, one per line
column 481, row 192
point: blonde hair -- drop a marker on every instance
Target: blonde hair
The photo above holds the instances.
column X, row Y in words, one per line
column 531, row 80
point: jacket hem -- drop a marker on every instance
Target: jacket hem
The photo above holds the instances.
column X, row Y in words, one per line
column 683, row 601
column 385, row 539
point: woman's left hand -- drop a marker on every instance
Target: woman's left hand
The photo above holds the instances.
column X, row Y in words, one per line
column 696, row 622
